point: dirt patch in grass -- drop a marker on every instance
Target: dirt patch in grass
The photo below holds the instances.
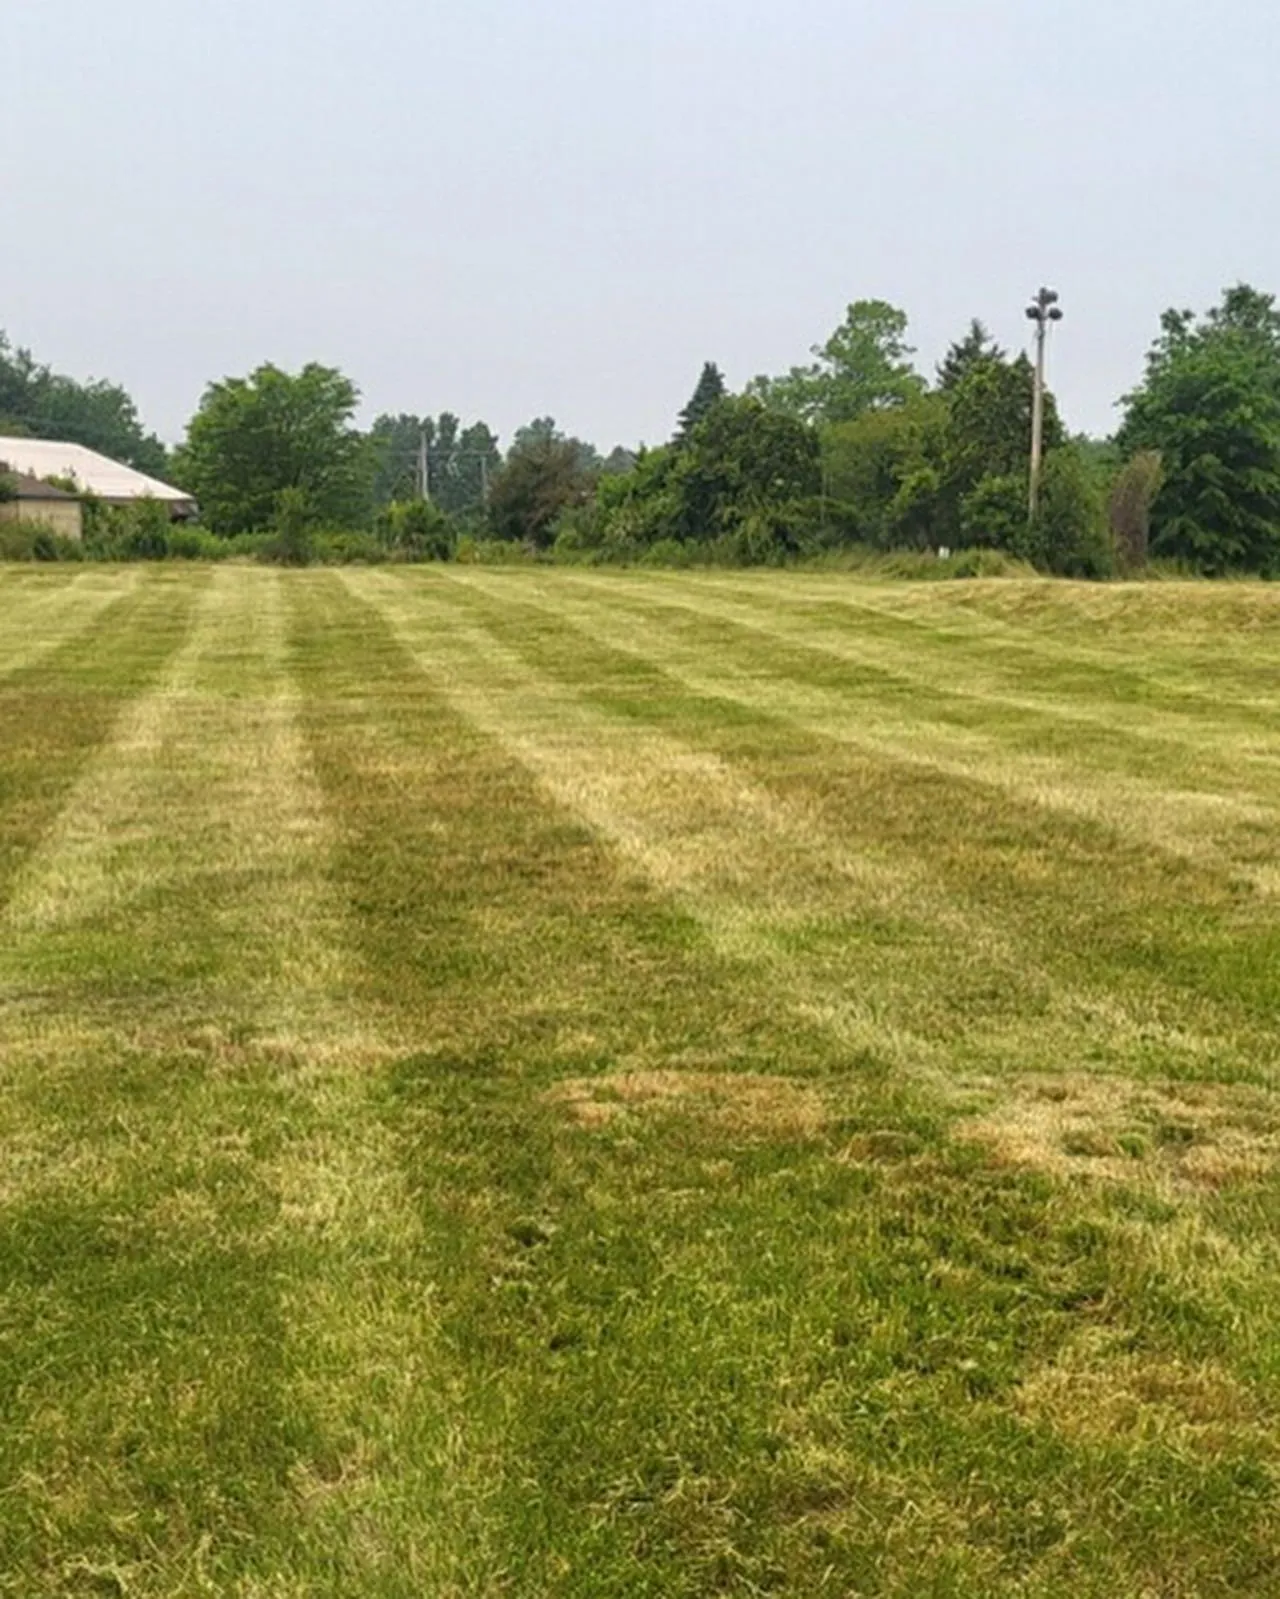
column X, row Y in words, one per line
column 739, row 1102
column 1201, row 1135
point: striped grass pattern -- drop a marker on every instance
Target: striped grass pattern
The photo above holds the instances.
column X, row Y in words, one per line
column 548, row 1083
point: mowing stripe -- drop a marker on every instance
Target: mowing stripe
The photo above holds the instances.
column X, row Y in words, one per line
column 1024, row 630
column 1198, row 822
column 37, row 618
column 970, row 674
column 767, row 878
column 176, row 921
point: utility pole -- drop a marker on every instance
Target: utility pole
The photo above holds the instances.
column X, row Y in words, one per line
column 424, row 466
column 1043, row 310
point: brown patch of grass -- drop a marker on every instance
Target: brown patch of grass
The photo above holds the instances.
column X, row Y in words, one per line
column 1091, row 1394
column 743, row 1103
column 1203, row 1135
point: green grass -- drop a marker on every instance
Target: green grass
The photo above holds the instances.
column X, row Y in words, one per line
column 581, row 1083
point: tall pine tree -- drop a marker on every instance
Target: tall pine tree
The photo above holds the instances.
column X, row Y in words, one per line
column 708, row 394
column 976, row 347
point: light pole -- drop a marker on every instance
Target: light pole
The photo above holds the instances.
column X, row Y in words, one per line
column 1043, row 310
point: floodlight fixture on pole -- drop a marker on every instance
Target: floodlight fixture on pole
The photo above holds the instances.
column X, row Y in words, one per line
column 1043, row 310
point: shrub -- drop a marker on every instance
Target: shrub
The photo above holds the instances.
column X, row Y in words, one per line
column 291, row 543
column 417, row 530
column 344, row 548
column 668, row 552
column 1132, row 495
column 188, row 543
column 34, row 541
column 1070, row 536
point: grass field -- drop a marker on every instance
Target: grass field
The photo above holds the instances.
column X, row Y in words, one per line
column 520, row 1083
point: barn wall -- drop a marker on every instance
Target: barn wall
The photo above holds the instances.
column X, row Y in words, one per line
column 64, row 517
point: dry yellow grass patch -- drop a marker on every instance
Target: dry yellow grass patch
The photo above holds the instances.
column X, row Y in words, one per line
column 1097, row 1394
column 744, row 1104
column 1202, row 1135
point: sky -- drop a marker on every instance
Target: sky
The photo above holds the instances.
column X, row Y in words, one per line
column 512, row 208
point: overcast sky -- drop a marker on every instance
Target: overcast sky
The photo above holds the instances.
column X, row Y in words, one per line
column 511, row 208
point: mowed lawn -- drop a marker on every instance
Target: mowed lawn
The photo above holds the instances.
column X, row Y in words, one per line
column 547, row 1083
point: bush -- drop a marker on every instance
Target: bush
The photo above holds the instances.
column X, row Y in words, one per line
column 347, row 549
column 1132, row 495
column 994, row 514
column 416, row 530
column 1071, row 536
column 34, row 541
column 668, row 552
column 291, row 543
column 581, row 533
column 187, row 543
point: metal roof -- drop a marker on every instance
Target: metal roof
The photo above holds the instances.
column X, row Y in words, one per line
column 96, row 474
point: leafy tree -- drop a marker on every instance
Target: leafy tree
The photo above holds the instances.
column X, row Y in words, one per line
column 545, row 474
column 709, row 392
column 470, row 470
column 865, row 365
column 461, row 461
column 1070, row 535
column 1215, row 421
column 395, row 442
column 989, row 435
column 741, row 458
column 43, row 404
column 885, row 466
column 1210, row 407
column 543, row 430
column 254, row 438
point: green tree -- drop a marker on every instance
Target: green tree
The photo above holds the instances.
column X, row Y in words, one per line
column 974, row 350
column 1209, row 406
column 544, row 430
column 992, row 513
column 1070, row 535
column 709, row 392
column 253, row 438
column 544, row 475
column 865, row 365
column 741, row 458
column 885, row 466
column 988, row 434
column 395, row 443
column 39, row 403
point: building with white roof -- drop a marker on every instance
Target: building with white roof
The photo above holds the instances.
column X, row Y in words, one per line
column 107, row 480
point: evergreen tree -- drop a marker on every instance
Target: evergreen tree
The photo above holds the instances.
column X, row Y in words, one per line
column 709, row 392
column 973, row 350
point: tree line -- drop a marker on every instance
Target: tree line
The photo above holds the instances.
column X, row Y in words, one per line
column 855, row 447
